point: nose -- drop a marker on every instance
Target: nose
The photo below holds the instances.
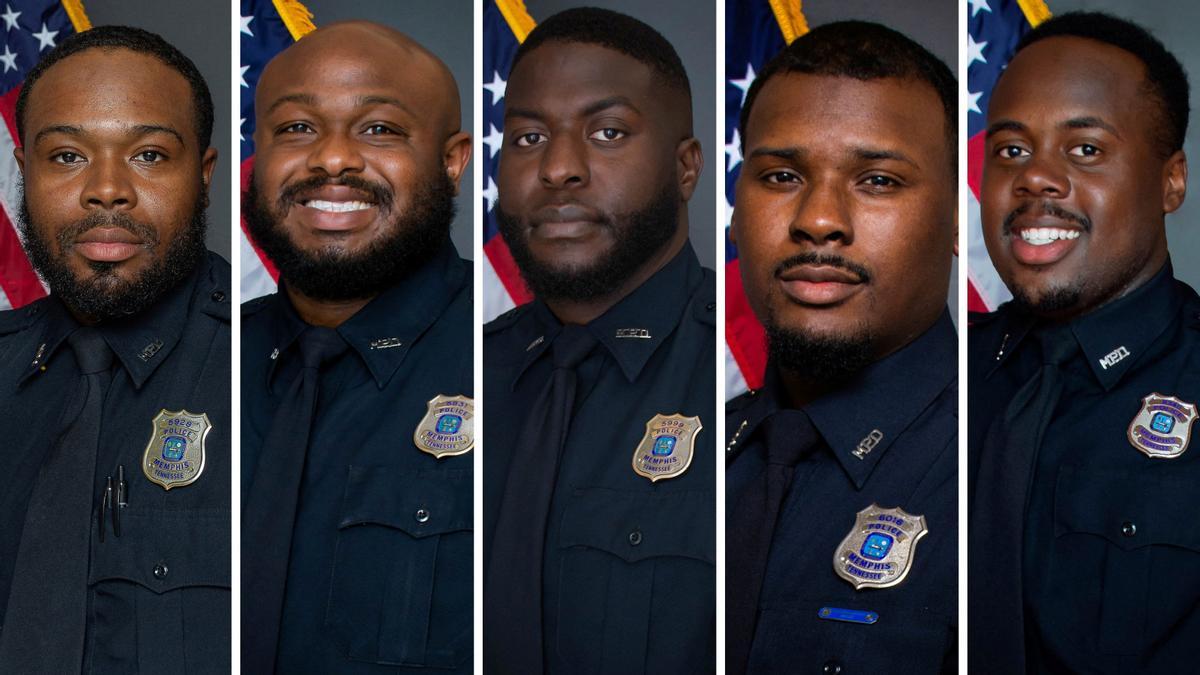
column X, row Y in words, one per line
column 1041, row 176
column 564, row 163
column 822, row 216
column 335, row 154
column 108, row 185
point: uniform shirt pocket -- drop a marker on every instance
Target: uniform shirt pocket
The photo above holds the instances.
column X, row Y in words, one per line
column 1150, row 542
column 636, row 584
column 400, row 591
column 160, row 593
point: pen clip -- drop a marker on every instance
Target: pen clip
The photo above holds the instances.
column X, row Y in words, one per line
column 105, row 504
column 122, row 500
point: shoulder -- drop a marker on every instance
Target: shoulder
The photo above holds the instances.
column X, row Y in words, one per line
column 735, row 406
column 13, row 321
column 214, row 291
column 505, row 321
column 703, row 304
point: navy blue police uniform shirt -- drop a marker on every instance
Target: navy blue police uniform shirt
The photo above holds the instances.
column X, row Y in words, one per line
column 158, row 595
column 372, row 586
column 907, row 404
column 1111, row 547
column 628, row 581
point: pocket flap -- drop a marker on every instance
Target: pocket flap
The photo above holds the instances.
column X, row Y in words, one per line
column 1130, row 510
column 639, row 525
column 421, row 503
column 164, row 550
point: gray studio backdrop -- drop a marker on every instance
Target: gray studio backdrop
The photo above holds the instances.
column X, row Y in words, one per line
column 1175, row 24
column 690, row 26
column 933, row 23
column 201, row 31
column 444, row 27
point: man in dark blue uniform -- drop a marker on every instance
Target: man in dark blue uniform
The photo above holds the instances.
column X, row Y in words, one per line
column 841, row 501
column 357, row 410
column 598, row 475
column 1084, row 554
column 114, row 389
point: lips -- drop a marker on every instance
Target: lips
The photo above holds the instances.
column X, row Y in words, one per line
column 564, row 221
column 1043, row 240
column 335, row 208
column 819, row 285
column 108, row 244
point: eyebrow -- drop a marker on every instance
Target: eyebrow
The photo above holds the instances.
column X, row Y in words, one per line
column 591, row 109
column 1004, row 125
column 302, row 99
column 376, row 99
column 1090, row 123
column 135, row 130
column 790, row 154
column 868, row 154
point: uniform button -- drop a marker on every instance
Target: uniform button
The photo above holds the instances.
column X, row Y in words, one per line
column 711, row 306
column 422, row 516
column 832, row 666
column 218, row 296
column 635, row 537
column 160, row 571
column 1128, row 529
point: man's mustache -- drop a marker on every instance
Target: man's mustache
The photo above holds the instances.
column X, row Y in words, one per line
column 813, row 258
column 1048, row 208
column 380, row 194
column 106, row 219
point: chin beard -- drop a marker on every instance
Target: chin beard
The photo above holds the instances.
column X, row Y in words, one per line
column 105, row 295
column 1053, row 301
column 639, row 235
column 331, row 273
column 821, row 359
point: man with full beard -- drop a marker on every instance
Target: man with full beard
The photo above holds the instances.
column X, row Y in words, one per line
column 598, row 475
column 115, row 416
column 1085, row 552
column 841, row 480
column 357, row 417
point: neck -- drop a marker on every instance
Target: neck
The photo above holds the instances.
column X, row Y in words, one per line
column 583, row 312
column 326, row 313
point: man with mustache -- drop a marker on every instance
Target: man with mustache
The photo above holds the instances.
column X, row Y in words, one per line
column 841, row 499
column 1084, row 388
column 598, row 476
column 357, row 416
column 114, row 390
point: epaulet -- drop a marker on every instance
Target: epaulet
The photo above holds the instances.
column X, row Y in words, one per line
column 735, row 404
column 17, row 320
column 504, row 320
column 704, row 303
column 215, row 296
column 981, row 318
column 252, row 307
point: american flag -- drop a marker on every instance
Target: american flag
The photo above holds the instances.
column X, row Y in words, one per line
column 755, row 31
column 505, row 25
column 993, row 29
column 267, row 29
column 31, row 28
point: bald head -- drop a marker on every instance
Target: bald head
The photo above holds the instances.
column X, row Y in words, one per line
column 353, row 53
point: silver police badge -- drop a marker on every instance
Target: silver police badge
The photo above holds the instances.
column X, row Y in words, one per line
column 174, row 457
column 666, row 448
column 878, row 552
column 448, row 427
column 1163, row 427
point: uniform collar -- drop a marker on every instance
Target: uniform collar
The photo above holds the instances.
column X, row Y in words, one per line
column 1114, row 337
column 140, row 342
column 632, row 329
column 383, row 332
column 861, row 420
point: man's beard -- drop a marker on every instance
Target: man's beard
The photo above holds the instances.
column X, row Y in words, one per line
column 331, row 273
column 817, row 358
column 105, row 295
column 639, row 235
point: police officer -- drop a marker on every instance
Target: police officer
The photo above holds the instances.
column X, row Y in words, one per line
column 1084, row 557
column 598, row 485
column 114, row 389
column 841, row 515
column 357, row 410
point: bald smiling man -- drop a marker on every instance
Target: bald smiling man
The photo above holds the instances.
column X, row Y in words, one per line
column 357, row 410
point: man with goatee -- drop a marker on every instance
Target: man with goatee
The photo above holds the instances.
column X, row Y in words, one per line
column 357, row 416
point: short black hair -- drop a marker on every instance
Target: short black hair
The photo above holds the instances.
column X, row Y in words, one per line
column 864, row 51
column 616, row 31
column 135, row 40
column 1166, row 79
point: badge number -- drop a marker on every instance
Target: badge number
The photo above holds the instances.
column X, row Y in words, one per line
column 175, row 454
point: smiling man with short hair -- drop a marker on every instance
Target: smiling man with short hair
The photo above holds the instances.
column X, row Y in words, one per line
column 1084, row 388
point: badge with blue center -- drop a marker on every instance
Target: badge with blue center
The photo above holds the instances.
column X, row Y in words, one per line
column 448, row 427
column 174, row 457
column 1163, row 427
column 879, row 550
column 666, row 448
